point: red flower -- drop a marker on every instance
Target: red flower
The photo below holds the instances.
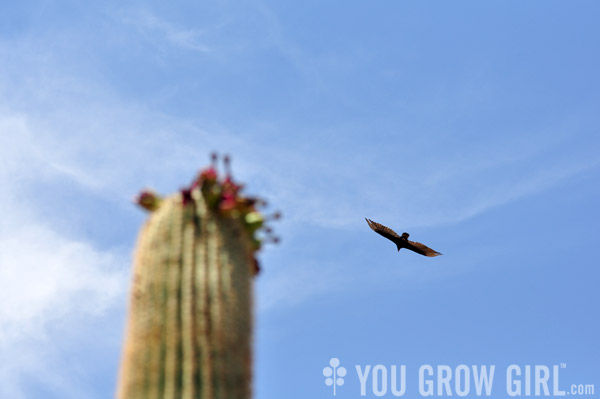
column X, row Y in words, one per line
column 229, row 186
column 228, row 202
column 208, row 175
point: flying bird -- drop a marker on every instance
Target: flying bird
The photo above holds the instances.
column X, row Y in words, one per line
column 401, row 241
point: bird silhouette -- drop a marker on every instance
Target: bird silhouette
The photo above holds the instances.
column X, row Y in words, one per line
column 401, row 241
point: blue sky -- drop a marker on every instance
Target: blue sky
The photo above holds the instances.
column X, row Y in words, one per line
column 474, row 126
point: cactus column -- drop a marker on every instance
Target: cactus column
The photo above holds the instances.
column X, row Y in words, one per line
column 189, row 329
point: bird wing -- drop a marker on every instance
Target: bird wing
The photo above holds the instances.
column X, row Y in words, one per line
column 421, row 248
column 383, row 230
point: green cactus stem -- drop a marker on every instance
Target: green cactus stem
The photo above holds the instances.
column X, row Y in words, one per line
column 189, row 330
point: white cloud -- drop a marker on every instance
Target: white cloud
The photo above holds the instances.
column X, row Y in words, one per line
column 47, row 278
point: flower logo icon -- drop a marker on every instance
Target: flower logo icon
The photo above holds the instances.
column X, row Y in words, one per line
column 334, row 374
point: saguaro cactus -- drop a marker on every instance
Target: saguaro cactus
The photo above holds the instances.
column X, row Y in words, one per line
column 190, row 318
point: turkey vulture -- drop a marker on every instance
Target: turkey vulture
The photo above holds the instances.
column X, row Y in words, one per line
column 401, row 241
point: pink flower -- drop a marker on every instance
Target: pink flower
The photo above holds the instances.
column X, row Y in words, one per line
column 229, row 186
column 208, row 175
column 228, row 202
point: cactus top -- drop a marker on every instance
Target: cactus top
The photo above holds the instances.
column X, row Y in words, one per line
column 224, row 197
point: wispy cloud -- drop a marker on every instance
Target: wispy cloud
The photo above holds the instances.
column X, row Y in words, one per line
column 418, row 189
column 159, row 31
column 299, row 283
column 320, row 184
